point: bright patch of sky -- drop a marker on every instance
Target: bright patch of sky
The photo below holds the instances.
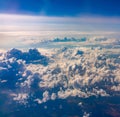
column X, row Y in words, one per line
column 45, row 23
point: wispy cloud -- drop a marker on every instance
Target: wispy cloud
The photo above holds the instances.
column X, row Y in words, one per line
column 24, row 22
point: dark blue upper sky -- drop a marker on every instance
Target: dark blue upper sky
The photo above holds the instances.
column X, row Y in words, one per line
column 61, row 7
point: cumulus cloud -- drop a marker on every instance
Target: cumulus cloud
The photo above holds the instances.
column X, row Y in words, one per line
column 69, row 74
column 32, row 56
column 81, row 76
column 116, row 88
column 20, row 97
column 53, row 96
column 86, row 114
column 45, row 98
column 15, row 76
column 11, row 70
column 89, row 73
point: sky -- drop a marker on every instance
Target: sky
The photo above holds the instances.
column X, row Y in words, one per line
column 59, row 15
column 61, row 7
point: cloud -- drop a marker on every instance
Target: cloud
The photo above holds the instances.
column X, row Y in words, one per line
column 83, row 76
column 20, row 98
column 86, row 114
column 53, row 96
column 11, row 71
column 116, row 88
column 15, row 76
column 32, row 56
column 38, row 23
column 45, row 98
column 70, row 40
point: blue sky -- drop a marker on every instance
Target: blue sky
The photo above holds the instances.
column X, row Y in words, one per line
column 82, row 15
column 61, row 7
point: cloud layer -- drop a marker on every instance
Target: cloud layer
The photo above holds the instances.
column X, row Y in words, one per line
column 67, row 73
column 75, row 73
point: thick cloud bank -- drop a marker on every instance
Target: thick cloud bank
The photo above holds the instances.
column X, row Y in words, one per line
column 72, row 73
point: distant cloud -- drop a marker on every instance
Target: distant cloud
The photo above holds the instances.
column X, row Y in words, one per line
column 69, row 40
column 48, row 23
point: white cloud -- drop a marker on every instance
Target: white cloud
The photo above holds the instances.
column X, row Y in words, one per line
column 38, row 23
column 67, row 76
column 116, row 88
column 53, row 96
column 38, row 101
column 21, row 98
column 72, row 82
column 45, row 98
column 86, row 114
